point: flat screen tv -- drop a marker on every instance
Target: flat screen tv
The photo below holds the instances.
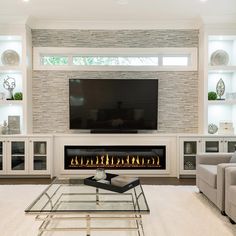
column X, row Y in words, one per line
column 113, row 105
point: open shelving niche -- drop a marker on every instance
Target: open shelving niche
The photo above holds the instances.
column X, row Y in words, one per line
column 17, row 40
column 222, row 110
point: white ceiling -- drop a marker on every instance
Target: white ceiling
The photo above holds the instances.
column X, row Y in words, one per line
column 111, row 10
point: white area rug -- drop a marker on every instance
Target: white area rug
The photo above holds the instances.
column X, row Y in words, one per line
column 175, row 211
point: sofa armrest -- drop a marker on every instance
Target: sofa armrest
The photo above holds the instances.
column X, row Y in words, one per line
column 230, row 179
column 221, row 169
column 230, row 175
column 213, row 158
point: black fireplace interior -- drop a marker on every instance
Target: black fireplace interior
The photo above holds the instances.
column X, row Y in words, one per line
column 115, row 157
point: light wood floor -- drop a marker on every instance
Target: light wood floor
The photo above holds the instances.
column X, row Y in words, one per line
column 144, row 180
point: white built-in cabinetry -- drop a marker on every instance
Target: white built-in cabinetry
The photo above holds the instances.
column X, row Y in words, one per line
column 16, row 39
column 25, row 155
column 223, row 110
column 191, row 146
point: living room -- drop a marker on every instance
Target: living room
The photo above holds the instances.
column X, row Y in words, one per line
column 130, row 92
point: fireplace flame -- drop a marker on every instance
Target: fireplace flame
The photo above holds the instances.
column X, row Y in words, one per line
column 76, row 161
column 127, row 159
column 111, row 161
column 107, row 160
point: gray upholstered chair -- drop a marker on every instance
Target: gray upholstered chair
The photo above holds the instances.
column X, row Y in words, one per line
column 210, row 176
column 230, row 193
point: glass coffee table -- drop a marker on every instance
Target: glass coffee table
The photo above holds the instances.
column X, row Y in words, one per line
column 69, row 205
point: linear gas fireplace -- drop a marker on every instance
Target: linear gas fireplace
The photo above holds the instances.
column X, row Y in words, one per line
column 115, row 157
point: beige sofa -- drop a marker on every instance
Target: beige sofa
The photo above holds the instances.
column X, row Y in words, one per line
column 210, row 177
column 230, row 193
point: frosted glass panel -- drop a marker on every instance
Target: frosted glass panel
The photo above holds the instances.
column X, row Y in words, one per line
column 175, row 61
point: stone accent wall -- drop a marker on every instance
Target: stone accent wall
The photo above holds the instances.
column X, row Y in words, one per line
column 177, row 102
column 115, row 38
column 178, row 91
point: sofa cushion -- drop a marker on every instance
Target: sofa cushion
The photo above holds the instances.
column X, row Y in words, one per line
column 233, row 158
column 208, row 173
column 232, row 194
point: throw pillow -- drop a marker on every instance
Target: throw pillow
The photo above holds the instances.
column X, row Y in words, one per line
column 233, row 158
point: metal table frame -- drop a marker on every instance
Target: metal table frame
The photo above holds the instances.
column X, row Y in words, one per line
column 48, row 217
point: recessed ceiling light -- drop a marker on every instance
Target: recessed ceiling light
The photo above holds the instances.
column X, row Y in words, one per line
column 203, row 0
column 25, row 0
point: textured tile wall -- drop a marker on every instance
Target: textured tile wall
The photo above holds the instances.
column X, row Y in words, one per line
column 178, row 91
column 115, row 38
column 178, row 95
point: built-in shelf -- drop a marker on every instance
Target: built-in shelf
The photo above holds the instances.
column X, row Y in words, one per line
column 222, row 102
column 11, row 102
column 10, row 69
column 222, row 68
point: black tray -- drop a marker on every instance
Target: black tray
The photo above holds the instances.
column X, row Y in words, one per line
column 92, row 182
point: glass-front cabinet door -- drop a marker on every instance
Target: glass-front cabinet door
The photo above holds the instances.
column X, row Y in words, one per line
column 17, row 160
column 2, row 157
column 39, row 156
column 213, row 145
column 229, row 145
column 189, row 149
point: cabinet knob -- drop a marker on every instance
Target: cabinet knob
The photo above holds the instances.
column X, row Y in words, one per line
column 221, row 141
column 199, row 141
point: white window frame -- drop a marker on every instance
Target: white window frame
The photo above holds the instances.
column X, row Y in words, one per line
column 38, row 52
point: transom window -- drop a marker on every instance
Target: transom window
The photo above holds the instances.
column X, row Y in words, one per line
column 115, row 59
column 54, row 60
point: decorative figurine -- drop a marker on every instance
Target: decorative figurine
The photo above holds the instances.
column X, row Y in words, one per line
column 9, row 84
column 220, row 88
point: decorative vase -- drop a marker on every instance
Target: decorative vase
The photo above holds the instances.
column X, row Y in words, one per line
column 100, row 174
column 220, row 88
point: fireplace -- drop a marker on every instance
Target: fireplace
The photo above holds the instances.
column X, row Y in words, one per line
column 115, row 157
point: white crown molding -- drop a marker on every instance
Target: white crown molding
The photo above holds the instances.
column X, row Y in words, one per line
column 7, row 29
column 113, row 25
column 216, row 21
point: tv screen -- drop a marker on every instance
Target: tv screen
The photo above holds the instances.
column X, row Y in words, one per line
column 113, row 104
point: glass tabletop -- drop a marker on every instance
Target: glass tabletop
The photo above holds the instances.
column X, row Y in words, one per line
column 71, row 195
